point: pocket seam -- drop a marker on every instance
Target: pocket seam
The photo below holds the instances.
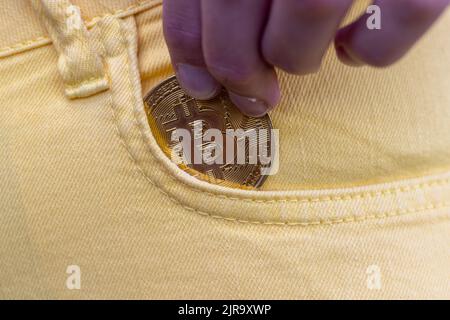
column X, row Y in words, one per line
column 25, row 45
column 428, row 205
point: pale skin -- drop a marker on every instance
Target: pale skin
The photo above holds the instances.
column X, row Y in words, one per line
column 238, row 44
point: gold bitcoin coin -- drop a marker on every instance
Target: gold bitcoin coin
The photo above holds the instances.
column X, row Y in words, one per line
column 229, row 158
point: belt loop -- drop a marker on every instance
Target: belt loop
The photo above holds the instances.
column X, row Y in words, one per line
column 79, row 62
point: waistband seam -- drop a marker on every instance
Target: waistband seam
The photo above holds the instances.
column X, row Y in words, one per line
column 41, row 41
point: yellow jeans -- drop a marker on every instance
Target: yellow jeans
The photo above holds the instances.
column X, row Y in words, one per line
column 360, row 207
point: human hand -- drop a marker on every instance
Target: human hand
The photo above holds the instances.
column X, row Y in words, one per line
column 238, row 43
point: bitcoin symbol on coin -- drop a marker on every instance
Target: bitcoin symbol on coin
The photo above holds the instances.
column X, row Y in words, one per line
column 219, row 144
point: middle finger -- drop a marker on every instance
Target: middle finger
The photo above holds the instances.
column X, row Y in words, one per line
column 299, row 32
column 231, row 35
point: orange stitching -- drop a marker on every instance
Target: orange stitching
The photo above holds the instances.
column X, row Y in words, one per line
column 348, row 219
column 43, row 40
column 24, row 43
column 139, row 4
column 354, row 196
column 85, row 82
column 347, row 197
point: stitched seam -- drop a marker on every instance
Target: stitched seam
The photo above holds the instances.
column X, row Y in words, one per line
column 355, row 196
column 347, row 197
column 132, row 7
column 24, row 44
column 44, row 40
column 322, row 222
column 348, row 219
column 326, row 198
column 85, row 82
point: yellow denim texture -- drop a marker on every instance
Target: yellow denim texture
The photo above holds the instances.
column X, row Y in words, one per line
column 363, row 181
column 79, row 63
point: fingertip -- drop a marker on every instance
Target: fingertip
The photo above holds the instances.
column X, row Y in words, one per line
column 346, row 58
column 252, row 107
column 197, row 81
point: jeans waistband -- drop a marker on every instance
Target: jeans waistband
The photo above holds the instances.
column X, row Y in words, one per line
column 21, row 28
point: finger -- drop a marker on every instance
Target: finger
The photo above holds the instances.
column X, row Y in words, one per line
column 182, row 32
column 403, row 22
column 300, row 31
column 231, row 45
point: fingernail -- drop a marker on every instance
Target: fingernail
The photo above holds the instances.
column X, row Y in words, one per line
column 345, row 57
column 250, row 106
column 197, row 81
